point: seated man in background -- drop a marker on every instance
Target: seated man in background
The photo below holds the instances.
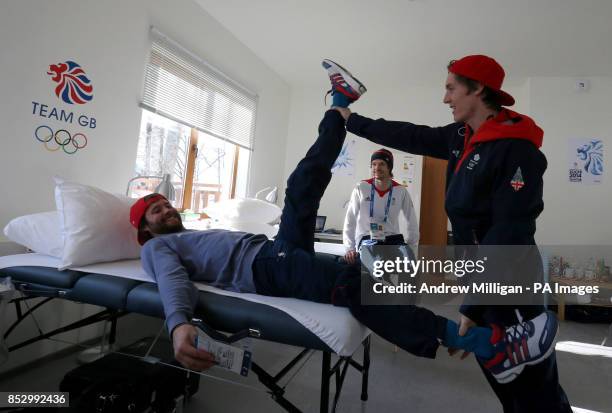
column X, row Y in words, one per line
column 288, row 266
column 374, row 210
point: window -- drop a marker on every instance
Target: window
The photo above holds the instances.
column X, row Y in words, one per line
column 216, row 174
column 197, row 125
column 163, row 148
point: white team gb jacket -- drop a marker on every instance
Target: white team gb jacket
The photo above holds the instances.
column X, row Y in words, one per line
column 357, row 219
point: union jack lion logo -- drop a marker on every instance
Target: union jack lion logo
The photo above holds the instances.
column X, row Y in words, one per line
column 592, row 155
column 73, row 85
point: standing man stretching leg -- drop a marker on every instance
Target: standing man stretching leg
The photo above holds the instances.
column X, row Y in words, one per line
column 494, row 186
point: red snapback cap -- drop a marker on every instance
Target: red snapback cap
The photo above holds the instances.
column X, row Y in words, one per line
column 138, row 210
column 484, row 70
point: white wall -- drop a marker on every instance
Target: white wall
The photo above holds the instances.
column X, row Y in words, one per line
column 402, row 100
column 574, row 214
column 109, row 39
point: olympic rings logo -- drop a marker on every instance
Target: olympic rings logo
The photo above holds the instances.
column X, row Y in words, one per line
column 60, row 139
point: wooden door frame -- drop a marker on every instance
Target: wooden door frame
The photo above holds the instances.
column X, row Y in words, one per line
column 433, row 222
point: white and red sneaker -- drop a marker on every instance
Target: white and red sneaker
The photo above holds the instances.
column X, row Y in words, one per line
column 343, row 81
column 524, row 344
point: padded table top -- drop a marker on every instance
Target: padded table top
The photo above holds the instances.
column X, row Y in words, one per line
column 284, row 320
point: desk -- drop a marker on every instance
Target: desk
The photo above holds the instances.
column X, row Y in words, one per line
column 329, row 248
column 327, row 237
column 601, row 300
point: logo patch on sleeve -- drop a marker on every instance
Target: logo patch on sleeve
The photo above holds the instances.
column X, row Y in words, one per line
column 517, row 181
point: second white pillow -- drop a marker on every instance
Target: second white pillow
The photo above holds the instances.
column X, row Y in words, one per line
column 95, row 225
column 244, row 210
column 38, row 232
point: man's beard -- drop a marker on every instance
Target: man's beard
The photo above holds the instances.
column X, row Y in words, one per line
column 166, row 227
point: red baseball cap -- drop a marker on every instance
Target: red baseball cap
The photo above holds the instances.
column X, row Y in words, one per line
column 137, row 212
column 484, row 70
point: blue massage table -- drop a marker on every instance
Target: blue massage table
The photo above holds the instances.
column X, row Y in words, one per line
column 120, row 296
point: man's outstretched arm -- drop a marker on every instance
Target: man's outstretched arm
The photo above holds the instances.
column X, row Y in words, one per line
column 436, row 142
column 179, row 297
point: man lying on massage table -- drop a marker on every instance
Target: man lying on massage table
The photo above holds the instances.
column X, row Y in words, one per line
column 288, row 267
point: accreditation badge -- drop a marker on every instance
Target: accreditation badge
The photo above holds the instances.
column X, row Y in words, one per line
column 377, row 231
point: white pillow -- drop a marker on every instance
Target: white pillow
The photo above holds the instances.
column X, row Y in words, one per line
column 247, row 226
column 95, row 225
column 244, row 210
column 38, row 232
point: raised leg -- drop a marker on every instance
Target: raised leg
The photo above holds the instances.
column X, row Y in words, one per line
column 307, row 183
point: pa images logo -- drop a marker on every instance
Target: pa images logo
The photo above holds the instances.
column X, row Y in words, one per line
column 73, row 85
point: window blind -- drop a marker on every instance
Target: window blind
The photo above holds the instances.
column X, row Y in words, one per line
column 181, row 86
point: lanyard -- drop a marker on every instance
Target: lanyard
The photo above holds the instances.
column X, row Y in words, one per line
column 372, row 193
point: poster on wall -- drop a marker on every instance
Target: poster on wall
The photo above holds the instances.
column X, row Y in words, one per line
column 60, row 128
column 345, row 163
column 405, row 173
column 586, row 160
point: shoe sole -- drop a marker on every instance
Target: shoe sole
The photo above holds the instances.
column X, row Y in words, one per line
column 513, row 373
column 350, row 79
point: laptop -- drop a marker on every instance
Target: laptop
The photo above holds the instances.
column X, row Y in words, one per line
column 320, row 223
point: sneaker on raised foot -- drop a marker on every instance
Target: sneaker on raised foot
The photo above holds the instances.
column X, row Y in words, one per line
column 524, row 344
column 343, row 81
